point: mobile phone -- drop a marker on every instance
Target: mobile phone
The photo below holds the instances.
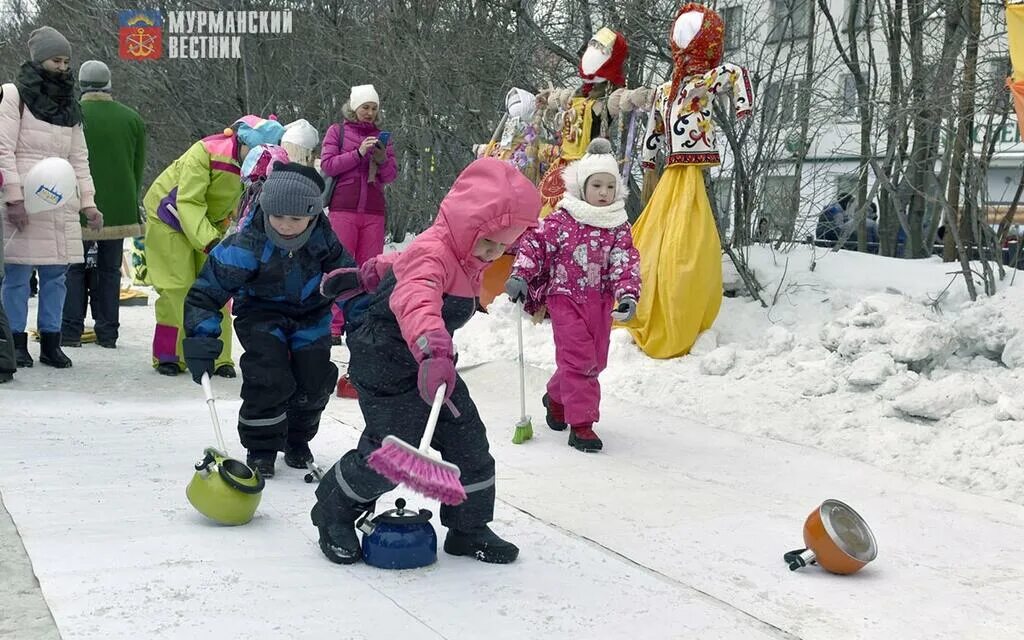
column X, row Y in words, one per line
column 383, row 137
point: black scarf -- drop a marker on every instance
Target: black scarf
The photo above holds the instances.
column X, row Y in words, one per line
column 49, row 96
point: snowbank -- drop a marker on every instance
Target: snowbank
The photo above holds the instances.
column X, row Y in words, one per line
column 882, row 360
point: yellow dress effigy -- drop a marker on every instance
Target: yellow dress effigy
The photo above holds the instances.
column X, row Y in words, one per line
column 676, row 236
column 1015, row 35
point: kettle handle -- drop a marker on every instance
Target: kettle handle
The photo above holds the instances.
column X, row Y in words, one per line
column 364, row 523
column 799, row 558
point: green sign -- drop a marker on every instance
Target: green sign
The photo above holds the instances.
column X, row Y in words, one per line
column 1007, row 134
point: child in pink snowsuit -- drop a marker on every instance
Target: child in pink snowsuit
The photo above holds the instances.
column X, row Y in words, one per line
column 580, row 261
column 361, row 164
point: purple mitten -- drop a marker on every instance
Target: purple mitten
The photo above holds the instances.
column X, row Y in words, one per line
column 433, row 373
column 436, row 356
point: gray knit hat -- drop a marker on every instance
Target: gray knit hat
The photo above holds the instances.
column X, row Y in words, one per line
column 94, row 76
column 45, row 43
column 291, row 189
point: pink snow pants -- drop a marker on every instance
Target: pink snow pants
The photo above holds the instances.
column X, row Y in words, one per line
column 362, row 235
column 582, row 333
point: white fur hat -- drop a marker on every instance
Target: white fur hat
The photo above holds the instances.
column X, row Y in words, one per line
column 301, row 134
column 362, row 94
column 597, row 159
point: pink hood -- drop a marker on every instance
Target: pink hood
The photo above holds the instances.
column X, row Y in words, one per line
column 490, row 199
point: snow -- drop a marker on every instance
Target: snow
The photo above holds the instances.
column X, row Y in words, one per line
column 862, row 382
column 883, row 359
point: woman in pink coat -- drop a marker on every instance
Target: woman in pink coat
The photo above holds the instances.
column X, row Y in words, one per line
column 580, row 261
column 40, row 118
column 361, row 165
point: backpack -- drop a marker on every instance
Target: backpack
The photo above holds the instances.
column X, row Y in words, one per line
column 330, row 181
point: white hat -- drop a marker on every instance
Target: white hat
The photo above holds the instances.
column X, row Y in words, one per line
column 597, row 159
column 301, row 134
column 362, row 94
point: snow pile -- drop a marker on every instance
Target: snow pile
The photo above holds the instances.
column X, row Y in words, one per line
column 881, row 360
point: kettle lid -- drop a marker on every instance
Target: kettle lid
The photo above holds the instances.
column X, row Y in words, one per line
column 401, row 515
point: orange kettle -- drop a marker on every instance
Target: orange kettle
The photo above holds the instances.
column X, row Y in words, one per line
column 837, row 539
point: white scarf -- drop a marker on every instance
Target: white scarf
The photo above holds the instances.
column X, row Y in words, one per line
column 607, row 217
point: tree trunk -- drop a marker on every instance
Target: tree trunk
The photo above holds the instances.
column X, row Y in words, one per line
column 964, row 141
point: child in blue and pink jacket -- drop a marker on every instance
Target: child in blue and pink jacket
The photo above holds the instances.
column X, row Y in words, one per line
column 581, row 263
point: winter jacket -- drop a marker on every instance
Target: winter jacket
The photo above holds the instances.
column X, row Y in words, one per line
column 203, row 185
column 353, row 190
column 117, row 136
column 261, row 277
column 51, row 237
column 832, row 220
column 489, row 199
column 691, row 137
column 564, row 256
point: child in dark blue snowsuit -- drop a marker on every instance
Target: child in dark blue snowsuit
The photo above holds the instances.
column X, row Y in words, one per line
column 272, row 267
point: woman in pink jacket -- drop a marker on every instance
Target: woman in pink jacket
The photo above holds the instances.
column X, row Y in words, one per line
column 361, row 164
column 580, row 261
column 40, row 118
column 402, row 353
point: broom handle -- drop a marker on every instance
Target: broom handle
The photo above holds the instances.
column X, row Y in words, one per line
column 522, row 365
column 208, row 392
column 435, row 411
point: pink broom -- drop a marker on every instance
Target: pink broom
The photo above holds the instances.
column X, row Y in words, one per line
column 402, row 463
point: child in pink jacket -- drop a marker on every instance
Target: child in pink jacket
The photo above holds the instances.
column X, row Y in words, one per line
column 580, row 261
column 402, row 351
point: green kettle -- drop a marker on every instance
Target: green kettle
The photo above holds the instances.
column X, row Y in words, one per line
column 222, row 488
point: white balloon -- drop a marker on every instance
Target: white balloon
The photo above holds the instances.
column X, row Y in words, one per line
column 49, row 185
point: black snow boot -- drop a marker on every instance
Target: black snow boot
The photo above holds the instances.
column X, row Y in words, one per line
column 482, row 544
column 6, row 377
column 49, row 351
column 334, row 516
column 262, row 462
column 226, row 371
column 21, row 354
column 297, row 454
column 168, row 369
column 555, row 413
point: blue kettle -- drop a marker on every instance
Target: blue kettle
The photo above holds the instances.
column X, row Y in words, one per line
column 399, row 539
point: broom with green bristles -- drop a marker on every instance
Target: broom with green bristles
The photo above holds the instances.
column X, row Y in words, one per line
column 524, row 428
